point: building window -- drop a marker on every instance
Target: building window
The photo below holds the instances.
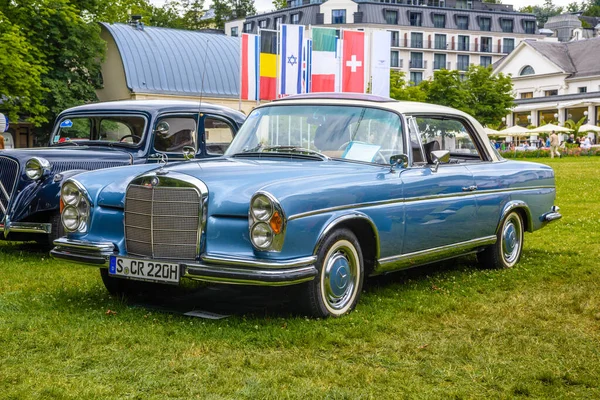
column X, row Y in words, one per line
column 247, row 27
column 394, row 59
column 485, row 24
column 486, row 45
column 391, row 17
column 462, row 22
column 278, row 22
column 508, row 45
column 464, row 4
column 527, row 70
column 582, row 89
column 395, row 38
column 416, row 60
column 439, row 61
column 529, row 27
column 415, row 19
column 440, row 42
column 553, row 92
column 463, row 43
column 416, row 40
column 295, row 18
column 415, row 78
column 527, row 95
column 234, row 31
column 462, row 62
column 485, row 61
column 263, row 24
column 439, row 20
column 507, row 25
column 338, row 16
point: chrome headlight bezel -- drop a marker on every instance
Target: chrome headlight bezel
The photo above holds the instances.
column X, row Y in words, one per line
column 77, row 206
column 259, row 223
column 36, row 168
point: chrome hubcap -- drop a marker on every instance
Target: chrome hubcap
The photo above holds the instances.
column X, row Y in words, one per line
column 511, row 240
column 340, row 277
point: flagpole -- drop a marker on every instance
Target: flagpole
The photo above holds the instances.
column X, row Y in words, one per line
column 241, row 72
column 258, row 75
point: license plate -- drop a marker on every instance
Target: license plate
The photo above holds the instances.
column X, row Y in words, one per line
column 145, row 270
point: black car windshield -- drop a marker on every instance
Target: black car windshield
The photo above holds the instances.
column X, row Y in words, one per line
column 82, row 130
column 344, row 132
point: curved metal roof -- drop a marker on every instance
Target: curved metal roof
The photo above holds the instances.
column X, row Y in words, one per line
column 177, row 62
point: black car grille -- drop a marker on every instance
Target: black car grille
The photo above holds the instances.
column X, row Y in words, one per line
column 61, row 166
column 162, row 222
column 9, row 171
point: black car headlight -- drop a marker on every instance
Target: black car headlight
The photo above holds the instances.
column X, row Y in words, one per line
column 75, row 207
column 266, row 222
column 36, row 167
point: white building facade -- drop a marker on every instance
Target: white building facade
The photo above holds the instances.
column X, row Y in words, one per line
column 427, row 35
column 554, row 82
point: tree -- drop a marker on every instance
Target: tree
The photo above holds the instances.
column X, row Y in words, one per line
column 279, row 4
column 544, row 12
column 21, row 90
column 226, row 10
column 489, row 95
column 401, row 90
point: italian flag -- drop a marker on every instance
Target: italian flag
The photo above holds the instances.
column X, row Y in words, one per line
column 324, row 60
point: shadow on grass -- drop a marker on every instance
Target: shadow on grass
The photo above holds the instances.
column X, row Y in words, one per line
column 31, row 248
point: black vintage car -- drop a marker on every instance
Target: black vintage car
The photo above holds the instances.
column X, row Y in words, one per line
column 103, row 135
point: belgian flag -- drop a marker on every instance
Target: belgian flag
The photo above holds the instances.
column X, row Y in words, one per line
column 268, row 65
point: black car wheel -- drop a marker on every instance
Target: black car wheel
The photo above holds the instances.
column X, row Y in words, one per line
column 507, row 250
column 336, row 289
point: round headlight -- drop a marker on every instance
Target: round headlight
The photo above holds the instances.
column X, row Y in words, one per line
column 35, row 168
column 262, row 235
column 70, row 218
column 261, row 208
column 70, row 194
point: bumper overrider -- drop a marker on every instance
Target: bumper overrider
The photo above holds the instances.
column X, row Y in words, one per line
column 25, row 227
column 553, row 215
column 217, row 269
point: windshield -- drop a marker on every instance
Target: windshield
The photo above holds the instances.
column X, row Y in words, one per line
column 351, row 133
column 127, row 130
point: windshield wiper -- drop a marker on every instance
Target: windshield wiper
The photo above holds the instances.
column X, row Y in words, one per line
column 285, row 149
column 65, row 142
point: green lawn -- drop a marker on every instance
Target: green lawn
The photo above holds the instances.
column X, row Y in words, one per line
column 448, row 331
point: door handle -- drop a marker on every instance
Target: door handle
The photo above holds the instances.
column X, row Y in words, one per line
column 469, row 188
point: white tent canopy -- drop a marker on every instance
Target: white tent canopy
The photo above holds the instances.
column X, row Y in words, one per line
column 589, row 128
column 516, row 131
column 548, row 128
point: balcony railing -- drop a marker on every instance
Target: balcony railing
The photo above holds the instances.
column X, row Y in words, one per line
column 416, row 64
column 462, row 66
column 470, row 47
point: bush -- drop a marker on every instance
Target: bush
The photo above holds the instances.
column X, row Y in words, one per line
column 565, row 152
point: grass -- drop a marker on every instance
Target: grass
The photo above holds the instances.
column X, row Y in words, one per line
column 448, row 331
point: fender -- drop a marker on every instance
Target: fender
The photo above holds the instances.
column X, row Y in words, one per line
column 514, row 205
column 337, row 220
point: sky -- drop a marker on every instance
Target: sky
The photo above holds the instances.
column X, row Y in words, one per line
column 267, row 5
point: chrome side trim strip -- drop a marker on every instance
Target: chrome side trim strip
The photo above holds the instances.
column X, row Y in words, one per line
column 28, row 227
column 412, row 200
column 245, row 276
column 247, row 262
column 403, row 261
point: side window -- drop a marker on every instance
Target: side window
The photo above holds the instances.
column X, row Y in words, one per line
column 443, row 133
column 218, row 134
column 176, row 133
column 415, row 145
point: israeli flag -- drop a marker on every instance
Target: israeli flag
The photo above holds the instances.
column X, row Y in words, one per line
column 290, row 65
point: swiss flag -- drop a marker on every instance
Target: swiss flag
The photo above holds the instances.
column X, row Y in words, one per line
column 353, row 62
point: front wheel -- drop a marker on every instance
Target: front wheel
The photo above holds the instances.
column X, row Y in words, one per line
column 336, row 289
column 507, row 250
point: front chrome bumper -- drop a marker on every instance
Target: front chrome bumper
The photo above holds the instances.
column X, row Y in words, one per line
column 216, row 269
column 26, row 227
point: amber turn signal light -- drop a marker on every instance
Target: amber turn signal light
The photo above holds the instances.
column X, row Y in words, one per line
column 276, row 223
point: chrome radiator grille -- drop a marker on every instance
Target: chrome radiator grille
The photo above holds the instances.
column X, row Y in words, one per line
column 162, row 222
column 9, row 172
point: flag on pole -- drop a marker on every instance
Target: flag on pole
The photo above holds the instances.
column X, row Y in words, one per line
column 307, row 66
column 324, row 71
column 249, row 71
column 353, row 61
column 290, row 49
column 268, row 64
column 380, row 62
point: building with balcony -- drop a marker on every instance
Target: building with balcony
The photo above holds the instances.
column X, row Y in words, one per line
column 426, row 34
column 554, row 82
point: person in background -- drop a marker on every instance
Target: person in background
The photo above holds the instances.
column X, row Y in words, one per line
column 586, row 144
column 548, row 141
column 571, row 139
column 554, row 145
column 1, row 142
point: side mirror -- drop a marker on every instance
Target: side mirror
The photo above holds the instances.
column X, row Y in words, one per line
column 189, row 152
column 162, row 128
column 398, row 160
column 438, row 157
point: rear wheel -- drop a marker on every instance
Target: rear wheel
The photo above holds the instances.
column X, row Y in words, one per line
column 507, row 250
column 336, row 289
